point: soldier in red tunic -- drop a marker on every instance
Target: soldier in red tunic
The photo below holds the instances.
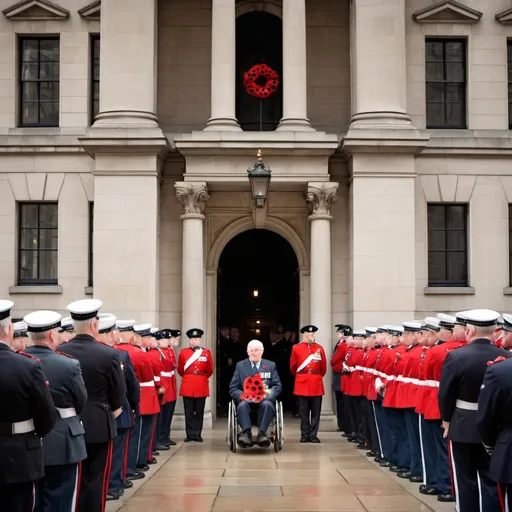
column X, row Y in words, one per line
column 195, row 365
column 308, row 365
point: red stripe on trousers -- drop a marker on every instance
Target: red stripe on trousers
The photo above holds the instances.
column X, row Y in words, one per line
column 106, row 475
column 79, row 479
column 502, row 498
column 450, row 463
column 150, row 456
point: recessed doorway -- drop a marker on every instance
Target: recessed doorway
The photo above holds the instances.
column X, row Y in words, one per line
column 258, row 297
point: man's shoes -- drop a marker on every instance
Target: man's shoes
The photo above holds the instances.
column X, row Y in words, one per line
column 404, row 474
column 429, row 491
column 171, row 443
column 163, row 447
column 263, row 441
column 304, row 439
column 314, row 440
column 372, row 453
column 198, row 439
column 446, row 497
column 142, row 467
column 415, row 479
column 394, row 469
column 385, row 464
column 138, row 475
column 345, row 435
column 152, row 460
column 127, row 484
column 155, row 453
column 245, row 439
column 113, row 495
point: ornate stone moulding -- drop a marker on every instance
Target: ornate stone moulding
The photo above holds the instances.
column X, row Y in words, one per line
column 35, row 10
column 447, row 11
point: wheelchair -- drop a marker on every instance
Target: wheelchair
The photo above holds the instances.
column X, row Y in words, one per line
column 275, row 431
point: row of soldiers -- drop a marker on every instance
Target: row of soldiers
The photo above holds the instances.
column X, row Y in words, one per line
column 85, row 403
column 432, row 401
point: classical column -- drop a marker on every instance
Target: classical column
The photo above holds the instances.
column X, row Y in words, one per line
column 377, row 31
column 295, row 105
column 128, row 63
column 223, row 81
column 320, row 195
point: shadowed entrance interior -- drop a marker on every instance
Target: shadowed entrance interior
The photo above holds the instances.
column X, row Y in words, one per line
column 258, row 295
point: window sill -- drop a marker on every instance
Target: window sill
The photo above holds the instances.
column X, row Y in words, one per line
column 507, row 290
column 89, row 290
column 51, row 288
column 449, row 290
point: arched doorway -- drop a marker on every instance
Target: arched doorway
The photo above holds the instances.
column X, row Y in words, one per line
column 258, row 297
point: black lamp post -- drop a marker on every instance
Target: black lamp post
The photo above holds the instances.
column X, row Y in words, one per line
column 259, row 178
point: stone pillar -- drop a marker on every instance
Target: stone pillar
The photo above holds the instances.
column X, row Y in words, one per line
column 193, row 196
column 128, row 61
column 295, row 105
column 320, row 195
column 223, row 81
column 377, row 31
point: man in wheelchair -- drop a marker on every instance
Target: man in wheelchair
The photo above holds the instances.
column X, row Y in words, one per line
column 266, row 408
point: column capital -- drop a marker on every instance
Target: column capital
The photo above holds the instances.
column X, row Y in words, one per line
column 193, row 196
column 320, row 196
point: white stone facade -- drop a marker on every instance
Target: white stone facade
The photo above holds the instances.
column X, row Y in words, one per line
column 165, row 160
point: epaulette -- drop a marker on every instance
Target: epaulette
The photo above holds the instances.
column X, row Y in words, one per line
column 28, row 355
column 64, row 354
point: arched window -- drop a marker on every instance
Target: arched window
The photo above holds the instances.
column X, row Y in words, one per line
column 258, row 41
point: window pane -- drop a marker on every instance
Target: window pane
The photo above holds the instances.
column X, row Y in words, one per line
column 49, row 50
column 49, row 91
column 435, row 93
column 455, row 72
column 49, row 71
column 436, row 266
column 434, row 51
column 30, row 113
column 48, row 265
column 48, row 215
column 96, row 72
column 454, row 92
column 454, row 51
column 456, row 217
column 30, row 50
column 29, row 71
column 96, row 90
column 28, row 264
column 48, row 239
column 457, row 266
column 28, row 239
column 435, row 114
column 436, row 216
column 434, row 71
column 29, row 91
column 28, row 215
column 49, row 112
column 437, row 240
column 456, row 240
column 454, row 114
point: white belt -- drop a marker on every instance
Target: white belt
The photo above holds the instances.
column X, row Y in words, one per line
column 23, row 427
column 157, row 379
column 167, row 374
column 468, row 406
column 66, row 413
column 147, row 384
column 429, row 383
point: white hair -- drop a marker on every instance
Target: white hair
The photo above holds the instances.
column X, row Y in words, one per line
column 255, row 344
column 37, row 336
column 4, row 325
column 83, row 325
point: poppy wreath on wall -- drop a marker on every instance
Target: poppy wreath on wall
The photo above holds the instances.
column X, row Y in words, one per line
column 254, row 74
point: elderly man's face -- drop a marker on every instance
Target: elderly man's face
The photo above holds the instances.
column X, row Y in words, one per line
column 255, row 352
column 194, row 342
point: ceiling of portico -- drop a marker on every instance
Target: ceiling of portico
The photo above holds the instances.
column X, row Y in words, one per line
column 274, row 7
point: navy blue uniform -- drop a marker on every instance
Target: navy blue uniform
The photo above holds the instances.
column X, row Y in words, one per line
column 27, row 414
column 495, row 424
column 461, row 377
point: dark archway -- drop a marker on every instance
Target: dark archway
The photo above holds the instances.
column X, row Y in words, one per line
column 263, row 261
column 258, row 41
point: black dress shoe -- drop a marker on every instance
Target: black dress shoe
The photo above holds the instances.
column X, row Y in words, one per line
column 198, row 439
column 138, row 475
column 314, row 440
column 127, row 484
column 304, row 439
column 113, row 495
column 187, row 440
column 403, row 474
column 415, row 479
column 171, row 443
column 394, row 469
column 152, row 461
column 263, row 441
column 245, row 439
column 142, row 467
column 345, row 435
column 155, row 453
column 385, row 464
column 163, row 448
column 446, row 497
column 371, row 453
column 429, row 491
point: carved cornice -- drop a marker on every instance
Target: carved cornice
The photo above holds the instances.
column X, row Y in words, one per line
column 505, row 17
column 91, row 12
column 35, row 10
column 447, row 11
column 193, row 196
column 320, row 196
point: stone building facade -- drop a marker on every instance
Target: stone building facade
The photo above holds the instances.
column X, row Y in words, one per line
column 123, row 163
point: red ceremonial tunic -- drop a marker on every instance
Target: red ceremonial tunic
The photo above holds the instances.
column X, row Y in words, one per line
column 408, row 383
column 169, row 374
column 339, row 357
column 434, row 361
column 155, row 358
column 392, row 368
column 149, row 403
column 346, row 375
column 354, row 363
column 195, row 378
column 309, row 380
column 374, row 355
column 422, row 395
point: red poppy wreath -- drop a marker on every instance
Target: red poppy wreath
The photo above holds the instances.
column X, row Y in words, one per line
column 254, row 389
column 254, row 74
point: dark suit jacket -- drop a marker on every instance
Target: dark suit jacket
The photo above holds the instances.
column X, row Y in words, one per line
column 24, row 395
column 461, row 378
column 495, row 419
column 65, row 444
column 106, row 387
column 132, row 398
column 268, row 374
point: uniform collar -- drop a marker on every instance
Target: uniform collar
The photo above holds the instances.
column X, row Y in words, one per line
column 4, row 346
column 481, row 341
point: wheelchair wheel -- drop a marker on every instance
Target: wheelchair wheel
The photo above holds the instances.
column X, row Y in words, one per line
column 231, row 427
column 279, row 428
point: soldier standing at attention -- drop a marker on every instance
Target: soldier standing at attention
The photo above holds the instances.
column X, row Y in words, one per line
column 64, row 446
column 461, row 378
column 27, row 414
column 195, row 365
column 106, row 389
column 308, row 365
